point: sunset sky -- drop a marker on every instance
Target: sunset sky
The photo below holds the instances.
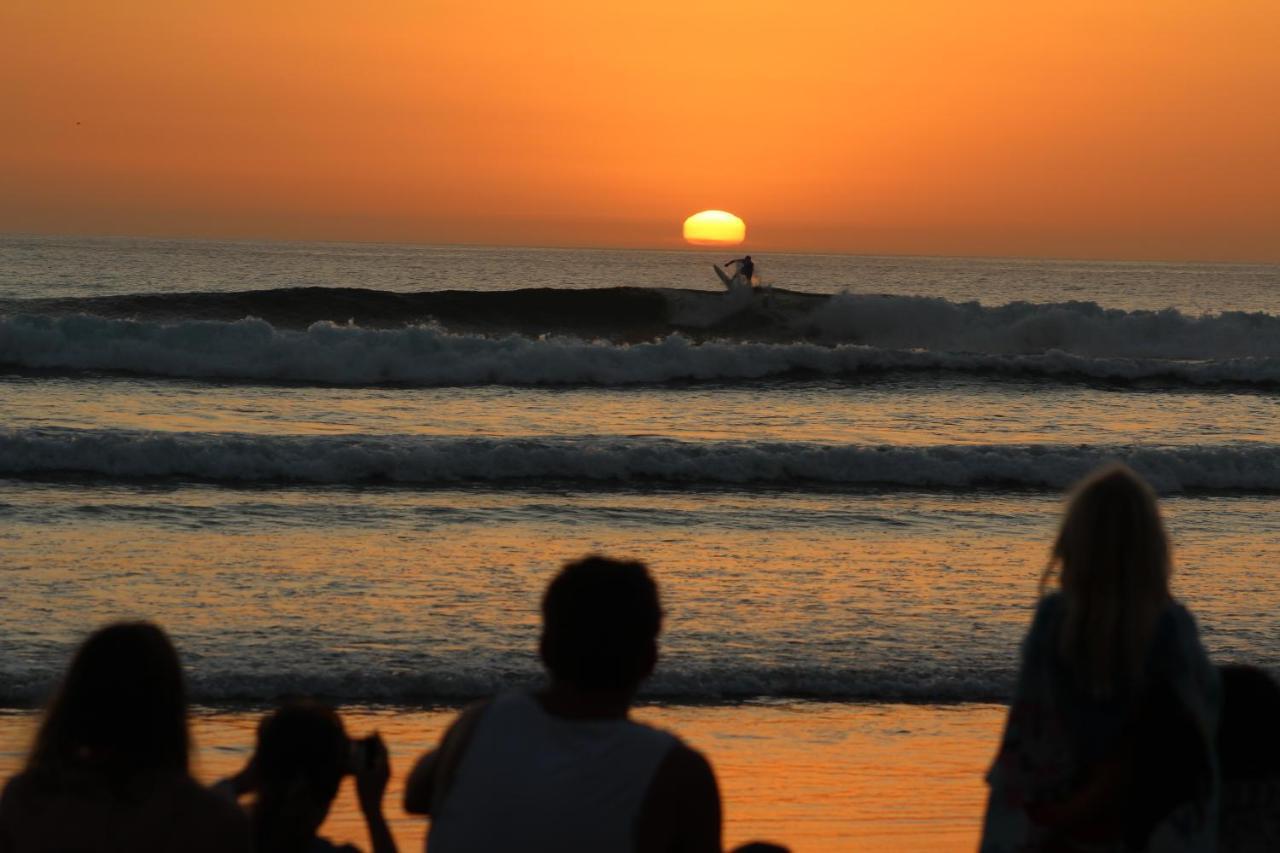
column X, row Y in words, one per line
column 989, row 127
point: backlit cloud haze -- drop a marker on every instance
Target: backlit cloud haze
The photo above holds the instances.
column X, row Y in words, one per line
column 1119, row 129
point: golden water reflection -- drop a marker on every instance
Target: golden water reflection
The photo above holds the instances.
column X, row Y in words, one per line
column 818, row 776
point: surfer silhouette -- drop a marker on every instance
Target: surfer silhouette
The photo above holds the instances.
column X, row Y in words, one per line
column 746, row 268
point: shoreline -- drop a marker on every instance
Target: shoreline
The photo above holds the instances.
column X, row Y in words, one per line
column 641, row 705
column 818, row 776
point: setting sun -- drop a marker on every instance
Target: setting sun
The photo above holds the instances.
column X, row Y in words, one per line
column 714, row 228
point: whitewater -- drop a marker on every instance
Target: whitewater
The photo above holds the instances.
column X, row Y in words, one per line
column 1072, row 341
column 348, row 470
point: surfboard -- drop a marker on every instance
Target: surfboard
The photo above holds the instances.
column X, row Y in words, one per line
column 724, row 276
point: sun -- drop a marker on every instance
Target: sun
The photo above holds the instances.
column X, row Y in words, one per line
column 714, row 228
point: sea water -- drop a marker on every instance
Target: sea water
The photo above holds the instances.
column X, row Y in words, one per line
column 350, row 470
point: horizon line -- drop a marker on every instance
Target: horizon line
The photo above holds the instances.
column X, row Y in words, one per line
column 682, row 249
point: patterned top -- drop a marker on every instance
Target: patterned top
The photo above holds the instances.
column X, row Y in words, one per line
column 1134, row 772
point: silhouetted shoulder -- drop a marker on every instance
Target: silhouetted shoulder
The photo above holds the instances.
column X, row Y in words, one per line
column 1048, row 612
column 157, row 813
column 216, row 823
column 1035, row 644
column 681, row 810
column 1177, row 619
column 1176, row 648
column 433, row 774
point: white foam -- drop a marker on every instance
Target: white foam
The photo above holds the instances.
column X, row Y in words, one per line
column 1079, row 328
column 234, row 457
column 253, row 350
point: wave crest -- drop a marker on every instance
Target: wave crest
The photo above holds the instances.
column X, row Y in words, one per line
column 254, row 350
column 629, row 314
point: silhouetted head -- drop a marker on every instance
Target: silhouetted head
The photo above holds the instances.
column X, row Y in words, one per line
column 748, row 257
column 1113, row 564
column 303, row 744
column 1248, row 737
column 600, row 624
column 301, row 756
column 121, row 708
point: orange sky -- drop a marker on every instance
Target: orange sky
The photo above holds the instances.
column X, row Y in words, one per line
column 1079, row 129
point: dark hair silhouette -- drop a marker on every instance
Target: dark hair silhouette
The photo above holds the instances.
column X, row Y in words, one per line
column 302, row 742
column 601, row 619
column 121, row 708
column 1248, row 741
column 302, row 753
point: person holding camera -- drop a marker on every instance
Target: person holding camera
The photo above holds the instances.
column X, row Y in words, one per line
column 302, row 754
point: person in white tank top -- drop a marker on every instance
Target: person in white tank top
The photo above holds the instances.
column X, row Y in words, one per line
column 565, row 769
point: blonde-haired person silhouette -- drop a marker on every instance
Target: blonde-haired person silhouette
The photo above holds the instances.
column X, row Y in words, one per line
column 1109, row 743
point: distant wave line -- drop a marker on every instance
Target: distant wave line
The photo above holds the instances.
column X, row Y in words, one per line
column 611, row 461
column 448, row 684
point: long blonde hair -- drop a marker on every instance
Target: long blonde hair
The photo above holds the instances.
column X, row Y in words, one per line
column 1112, row 561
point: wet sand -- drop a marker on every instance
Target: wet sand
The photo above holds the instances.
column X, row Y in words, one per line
column 817, row 776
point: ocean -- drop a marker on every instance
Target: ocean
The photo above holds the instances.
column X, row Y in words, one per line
column 349, row 470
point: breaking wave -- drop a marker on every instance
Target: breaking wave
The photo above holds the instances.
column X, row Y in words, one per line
column 1081, row 328
column 630, row 314
column 253, row 350
column 438, row 461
